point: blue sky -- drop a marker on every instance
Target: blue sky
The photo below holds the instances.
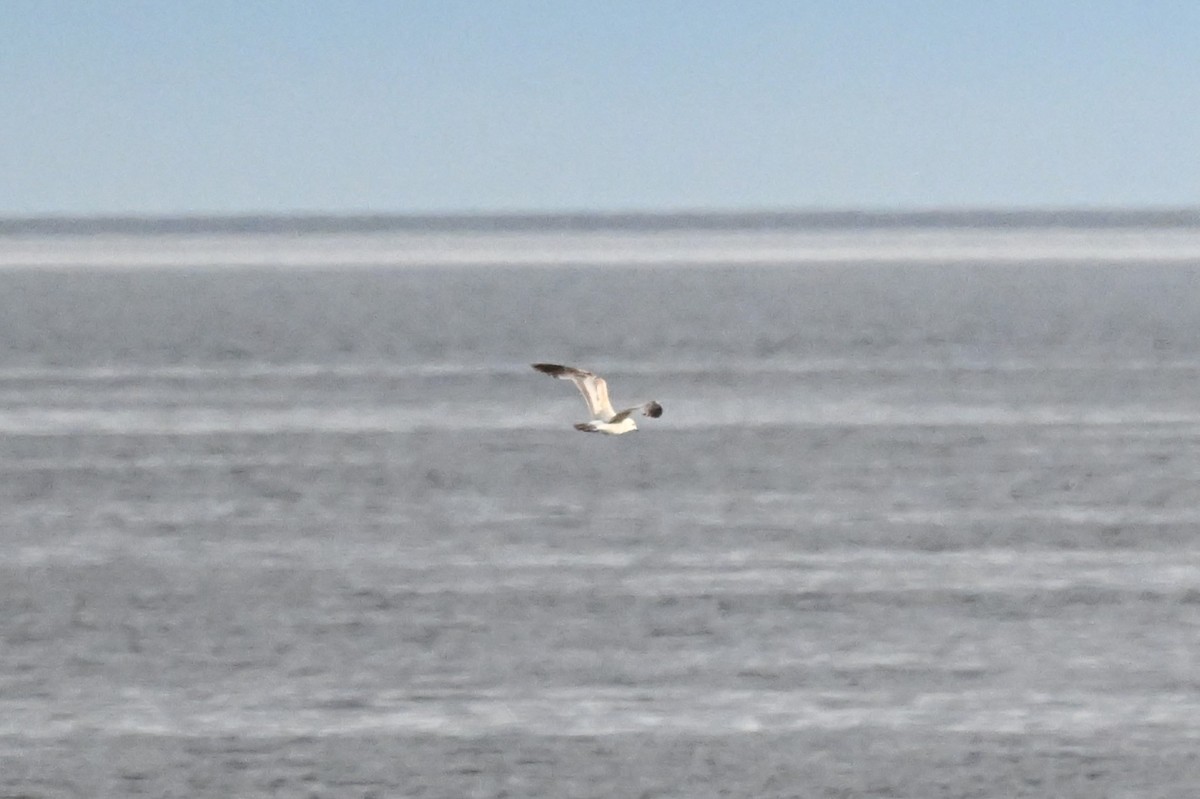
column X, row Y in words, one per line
column 231, row 106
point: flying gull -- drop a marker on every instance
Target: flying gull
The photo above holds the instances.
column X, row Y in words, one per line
column 595, row 393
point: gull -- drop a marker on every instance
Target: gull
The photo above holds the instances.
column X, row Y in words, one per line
column 595, row 393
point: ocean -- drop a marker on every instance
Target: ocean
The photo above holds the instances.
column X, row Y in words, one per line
column 284, row 511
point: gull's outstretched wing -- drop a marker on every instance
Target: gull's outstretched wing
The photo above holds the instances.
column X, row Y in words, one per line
column 651, row 409
column 593, row 388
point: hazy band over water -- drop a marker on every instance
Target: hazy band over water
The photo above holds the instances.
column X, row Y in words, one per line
column 924, row 494
column 606, row 240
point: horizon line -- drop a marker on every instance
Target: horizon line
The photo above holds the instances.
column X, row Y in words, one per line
column 583, row 220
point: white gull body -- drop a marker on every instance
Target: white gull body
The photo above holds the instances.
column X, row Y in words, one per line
column 595, row 393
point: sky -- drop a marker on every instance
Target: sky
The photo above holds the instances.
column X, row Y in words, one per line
column 433, row 106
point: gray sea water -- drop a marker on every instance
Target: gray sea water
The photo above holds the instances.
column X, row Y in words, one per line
column 289, row 514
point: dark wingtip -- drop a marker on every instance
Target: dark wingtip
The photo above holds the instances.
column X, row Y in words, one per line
column 551, row 369
column 653, row 410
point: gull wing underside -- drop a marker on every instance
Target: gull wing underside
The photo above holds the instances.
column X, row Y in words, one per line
column 593, row 387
